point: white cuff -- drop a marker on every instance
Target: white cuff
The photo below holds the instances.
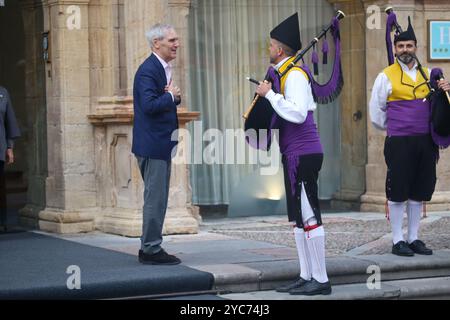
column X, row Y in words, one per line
column 270, row 95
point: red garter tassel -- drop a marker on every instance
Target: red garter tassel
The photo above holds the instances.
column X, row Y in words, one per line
column 310, row 228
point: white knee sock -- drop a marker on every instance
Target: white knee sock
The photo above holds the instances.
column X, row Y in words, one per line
column 315, row 240
column 414, row 210
column 307, row 211
column 396, row 210
column 303, row 254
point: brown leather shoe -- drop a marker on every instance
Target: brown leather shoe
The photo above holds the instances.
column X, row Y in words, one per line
column 161, row 258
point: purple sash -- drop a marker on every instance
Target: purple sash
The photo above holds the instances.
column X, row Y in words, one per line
column 297, row 140
column 408, row 118
column 411, row 118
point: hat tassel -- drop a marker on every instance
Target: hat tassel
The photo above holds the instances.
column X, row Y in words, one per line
column 325, row 50
column 315, row 61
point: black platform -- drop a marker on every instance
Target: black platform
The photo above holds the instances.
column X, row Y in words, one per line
column 34, row 266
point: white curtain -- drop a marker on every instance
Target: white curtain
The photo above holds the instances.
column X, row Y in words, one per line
column 228, row 42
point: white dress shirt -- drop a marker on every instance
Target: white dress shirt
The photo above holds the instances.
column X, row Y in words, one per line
column 381, row 90
column 168, row 70
column 297, row 99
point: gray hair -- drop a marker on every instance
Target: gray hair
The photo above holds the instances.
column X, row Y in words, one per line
column 157, row 32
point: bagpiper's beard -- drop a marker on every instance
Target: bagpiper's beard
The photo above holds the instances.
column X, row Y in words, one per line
column 406, row 58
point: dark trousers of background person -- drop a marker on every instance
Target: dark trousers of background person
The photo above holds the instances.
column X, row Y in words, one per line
column 2, row 195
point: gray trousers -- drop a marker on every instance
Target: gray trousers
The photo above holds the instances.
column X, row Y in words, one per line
column 156, row 176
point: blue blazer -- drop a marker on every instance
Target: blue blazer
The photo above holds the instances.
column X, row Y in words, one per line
column 9, row 129
column 155, row 113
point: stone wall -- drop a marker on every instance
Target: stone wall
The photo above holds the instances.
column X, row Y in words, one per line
column 85, row 175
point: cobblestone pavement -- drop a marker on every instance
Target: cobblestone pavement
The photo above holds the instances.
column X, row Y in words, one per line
column 344, row 234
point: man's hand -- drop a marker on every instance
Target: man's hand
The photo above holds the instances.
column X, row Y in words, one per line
column 263, row 88
column 176, row 92
column 444, row 85
column 9, row 156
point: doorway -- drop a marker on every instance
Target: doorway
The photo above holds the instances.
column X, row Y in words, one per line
column 22, row 73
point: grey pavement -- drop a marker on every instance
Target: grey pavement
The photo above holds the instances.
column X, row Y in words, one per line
column 250, row 257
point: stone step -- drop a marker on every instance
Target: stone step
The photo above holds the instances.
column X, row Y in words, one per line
column 425, row 288
column 341, row 270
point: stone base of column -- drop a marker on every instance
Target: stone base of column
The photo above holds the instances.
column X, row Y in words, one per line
column 123, row 222
column 29, row 216
column 373, row 202
column 126, row 222
column 346, row 200
column 66, row 221
column 179, row 221
column 376, row 202
column 194, row 211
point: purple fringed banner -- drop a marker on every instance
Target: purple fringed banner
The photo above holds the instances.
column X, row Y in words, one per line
column 442, row 141
column 435, row 75
column 326, row 93
column 390, row 21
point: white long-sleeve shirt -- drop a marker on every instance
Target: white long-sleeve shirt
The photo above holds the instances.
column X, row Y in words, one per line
column 297, row 99
column 381, row 90
column 167, row 70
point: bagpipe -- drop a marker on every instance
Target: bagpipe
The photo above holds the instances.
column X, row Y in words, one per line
column 261, row 117
column 438, row 98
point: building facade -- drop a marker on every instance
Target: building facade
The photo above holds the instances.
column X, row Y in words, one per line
column 69, row 66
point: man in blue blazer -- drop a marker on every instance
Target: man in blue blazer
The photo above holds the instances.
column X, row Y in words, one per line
column 9, row 130
column 155, row 138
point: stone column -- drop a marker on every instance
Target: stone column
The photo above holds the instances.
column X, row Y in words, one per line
column 178, row 11
column 353, row 111
column 36, row 148
column 70, row 185
column 118, row 179
column 182, row 217
column 376, row 60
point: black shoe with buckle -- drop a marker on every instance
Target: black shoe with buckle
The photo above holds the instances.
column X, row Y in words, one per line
column 297, row 284
column 419, row 247
column 312, row 288
column 402, row 249
column 161, row 258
